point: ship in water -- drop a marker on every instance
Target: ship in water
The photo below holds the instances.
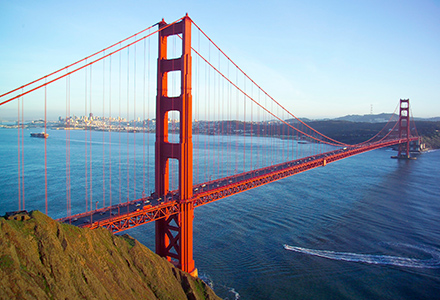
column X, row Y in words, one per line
column 43, row 135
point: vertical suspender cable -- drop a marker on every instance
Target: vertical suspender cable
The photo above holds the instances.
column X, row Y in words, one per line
column 19, row 154
column 90, row 140
column 222, row 132
column 244, row 125
column 119, row 126
column 143, row 122
column 134, row 121
column 205, row 156
column 252, row 131
column 148, row 104
column 45, row 147
column 69, row 183
column 291, row 137
column 208, row 113
column 67, row 124
column 216, row 119
column 229, row 112
column 86, row 120
column 280, row 142
column 297, row 140
column 103, row 132
column 220, row 121
column 22, row 153
column 258, row 120
column 236, row 126
column 110, row 128
column 272, row 134
column 284, row 140
column 128, row 125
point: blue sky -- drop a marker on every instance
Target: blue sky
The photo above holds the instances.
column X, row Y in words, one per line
column 317, row 58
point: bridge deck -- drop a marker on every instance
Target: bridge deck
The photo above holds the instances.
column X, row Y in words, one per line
column 127, row 215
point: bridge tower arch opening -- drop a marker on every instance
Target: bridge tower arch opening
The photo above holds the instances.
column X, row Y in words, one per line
column 174, row 234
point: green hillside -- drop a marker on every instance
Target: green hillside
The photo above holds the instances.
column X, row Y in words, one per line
column 43, row 259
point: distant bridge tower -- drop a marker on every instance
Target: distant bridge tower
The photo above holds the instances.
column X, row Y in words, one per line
column 404, row 129
column 174, row 234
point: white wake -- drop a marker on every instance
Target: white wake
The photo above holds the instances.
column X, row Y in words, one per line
column 433, row 262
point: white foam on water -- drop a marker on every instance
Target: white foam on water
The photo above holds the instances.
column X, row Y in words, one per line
column 207, row 279
column 433, row 262
column 236, row 294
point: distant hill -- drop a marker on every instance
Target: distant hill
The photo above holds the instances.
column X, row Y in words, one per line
column 436, row 119
column 379, row 118
column 43, row 259
column 351, row 132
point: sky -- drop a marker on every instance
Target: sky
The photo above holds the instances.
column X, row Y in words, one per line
column 319, row 59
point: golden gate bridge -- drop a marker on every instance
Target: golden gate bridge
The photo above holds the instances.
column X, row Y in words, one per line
column 217, row 133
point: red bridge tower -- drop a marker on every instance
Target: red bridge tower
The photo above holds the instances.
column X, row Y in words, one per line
column 174, row 234
column 404, row 129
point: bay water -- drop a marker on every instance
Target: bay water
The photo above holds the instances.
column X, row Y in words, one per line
column 366, row 227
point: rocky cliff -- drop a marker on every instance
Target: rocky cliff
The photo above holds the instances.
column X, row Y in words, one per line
column 43, row 259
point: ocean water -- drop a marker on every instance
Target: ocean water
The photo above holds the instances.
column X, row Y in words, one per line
column 366, row 227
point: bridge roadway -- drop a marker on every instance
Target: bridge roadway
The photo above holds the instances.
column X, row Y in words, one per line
column 127, row 215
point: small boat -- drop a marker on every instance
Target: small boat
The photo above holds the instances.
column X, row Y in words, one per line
column 43, row 135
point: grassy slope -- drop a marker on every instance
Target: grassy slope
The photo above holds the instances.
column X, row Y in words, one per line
column 43, row 259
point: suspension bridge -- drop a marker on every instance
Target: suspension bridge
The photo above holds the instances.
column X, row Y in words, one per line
column 142, row 137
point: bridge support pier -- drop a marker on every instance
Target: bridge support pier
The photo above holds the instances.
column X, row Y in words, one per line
column 174, row 234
